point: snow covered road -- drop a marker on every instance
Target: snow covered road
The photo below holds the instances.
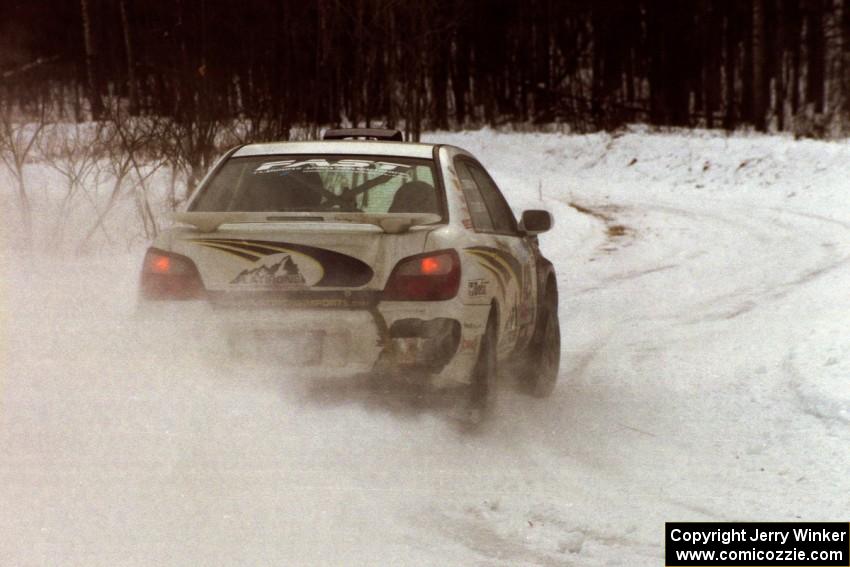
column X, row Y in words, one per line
column 706, row 376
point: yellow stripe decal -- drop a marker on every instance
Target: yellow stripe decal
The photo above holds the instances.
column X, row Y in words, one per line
column 234, row 250
column 501, row 263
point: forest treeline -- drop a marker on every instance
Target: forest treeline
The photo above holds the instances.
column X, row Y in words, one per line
column 779, row 65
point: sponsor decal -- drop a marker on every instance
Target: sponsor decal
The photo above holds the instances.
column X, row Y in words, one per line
column 294, row 298
column 504, row 267
column 283, row 273
column 510, row 276
column 500, row 281
column 288, row 265
column 319, row 165
column 477, row 288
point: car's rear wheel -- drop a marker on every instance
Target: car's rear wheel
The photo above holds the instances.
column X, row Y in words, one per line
column 544, row 353
column 483, row 387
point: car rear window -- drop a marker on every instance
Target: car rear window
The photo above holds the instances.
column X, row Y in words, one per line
column 313, row 183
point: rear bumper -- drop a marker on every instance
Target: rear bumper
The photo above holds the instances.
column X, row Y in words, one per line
column 436, row 342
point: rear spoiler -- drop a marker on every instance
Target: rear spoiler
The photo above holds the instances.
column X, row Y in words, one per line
column 391, row 223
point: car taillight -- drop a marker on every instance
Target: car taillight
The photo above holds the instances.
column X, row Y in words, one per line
column 434, row 276
column 170, row 276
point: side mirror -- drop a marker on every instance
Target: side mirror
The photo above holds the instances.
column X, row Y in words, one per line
column 535, row 222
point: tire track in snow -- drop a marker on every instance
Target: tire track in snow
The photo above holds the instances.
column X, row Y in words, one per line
column 747, row 295
column 613, row 297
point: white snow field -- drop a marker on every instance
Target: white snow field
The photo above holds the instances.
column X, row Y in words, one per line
column 705, row 308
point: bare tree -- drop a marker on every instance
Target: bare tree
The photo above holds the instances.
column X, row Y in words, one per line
column 149, row 144
column 72, row 150
column 132, row 87
column 845, row 58
column 91, row 72
column 191, row 148
column 17, row 141
column 759, row 64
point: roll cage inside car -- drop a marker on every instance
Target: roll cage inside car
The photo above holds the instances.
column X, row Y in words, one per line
column 345, row 199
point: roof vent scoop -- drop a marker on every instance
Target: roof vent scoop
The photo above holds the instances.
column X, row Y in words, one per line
column 384, row 134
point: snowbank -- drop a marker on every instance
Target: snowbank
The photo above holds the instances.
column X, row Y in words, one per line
column 702, row 162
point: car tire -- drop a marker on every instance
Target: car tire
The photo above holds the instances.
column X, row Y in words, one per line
column 484, row 374
column 544, row 353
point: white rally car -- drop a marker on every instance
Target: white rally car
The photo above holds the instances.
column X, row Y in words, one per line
column 366, row 252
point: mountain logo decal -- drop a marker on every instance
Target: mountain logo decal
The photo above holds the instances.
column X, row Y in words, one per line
column 283, row 273
column 289, row 265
